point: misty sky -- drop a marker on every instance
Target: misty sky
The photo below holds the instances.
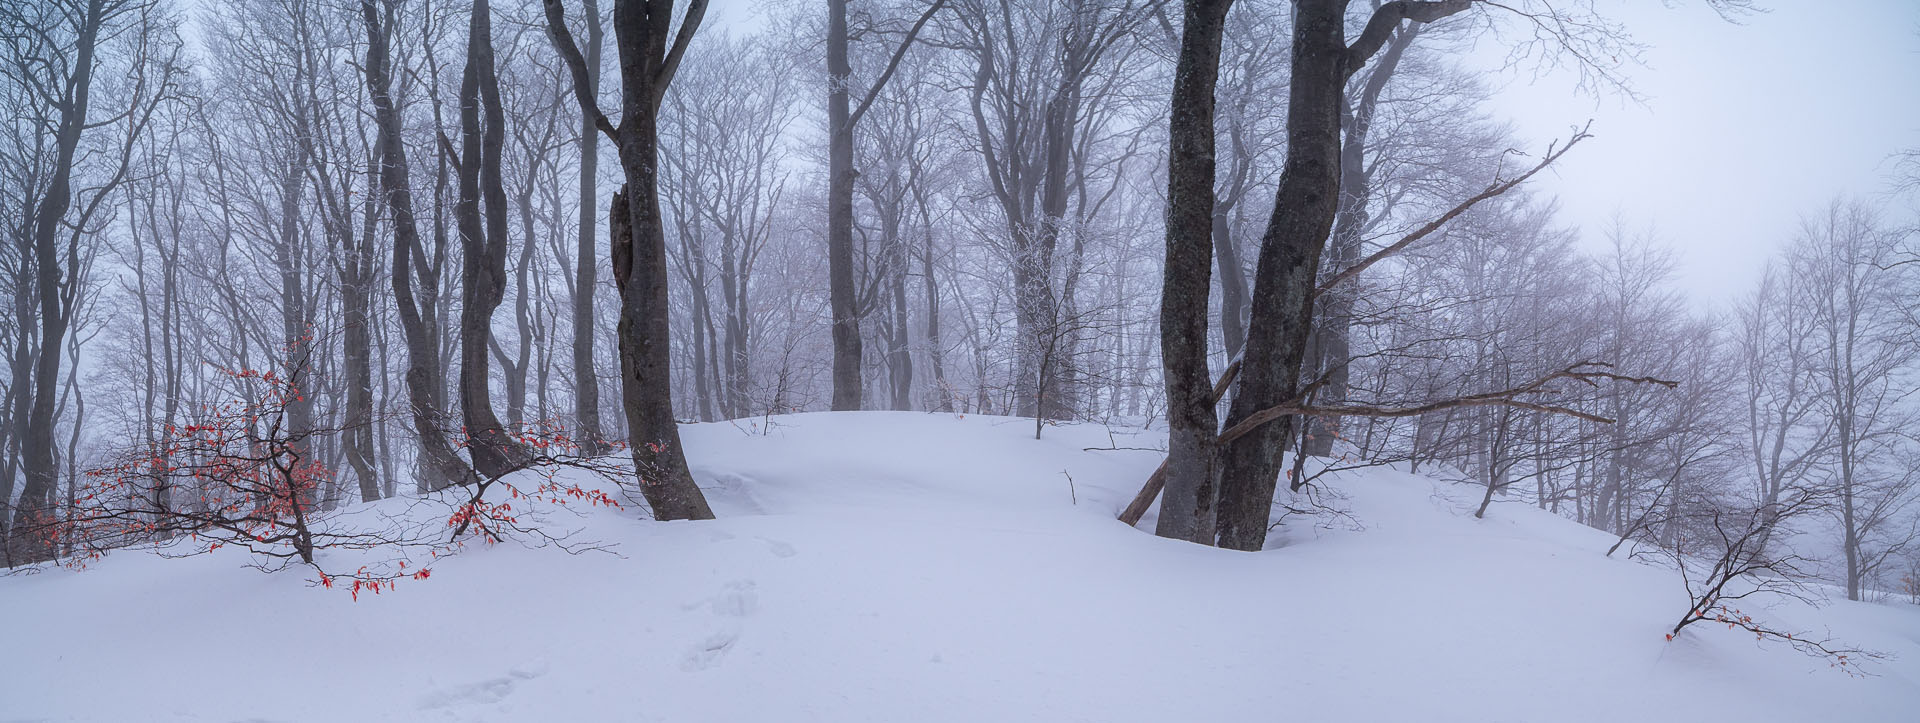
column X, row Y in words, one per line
column 1745, row 127
column 1742, row 127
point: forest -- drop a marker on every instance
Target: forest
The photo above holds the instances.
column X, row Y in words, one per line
column 273, row 260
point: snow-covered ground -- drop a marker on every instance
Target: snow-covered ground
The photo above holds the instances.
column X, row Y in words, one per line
column 914, row 567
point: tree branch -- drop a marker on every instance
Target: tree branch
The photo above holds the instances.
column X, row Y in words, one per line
column 696, row 10
column 894, row 63
column 1502, row 398
column 1387, row 17
column 576, row 66
column 1496, row 189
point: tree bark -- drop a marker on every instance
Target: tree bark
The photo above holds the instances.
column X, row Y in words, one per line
column 840, row 178
column 647, row 65
column 1187, row 513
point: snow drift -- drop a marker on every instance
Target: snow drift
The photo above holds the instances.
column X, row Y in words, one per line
column 903, row 566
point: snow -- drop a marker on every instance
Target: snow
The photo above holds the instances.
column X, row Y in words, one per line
column 884, row 566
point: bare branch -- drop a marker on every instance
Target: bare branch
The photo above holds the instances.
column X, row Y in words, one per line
column 1387, row 17
column 1493, row 190
column 576, row 65
column 894, row 63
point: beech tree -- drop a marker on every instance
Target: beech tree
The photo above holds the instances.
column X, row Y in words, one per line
column 648, row 61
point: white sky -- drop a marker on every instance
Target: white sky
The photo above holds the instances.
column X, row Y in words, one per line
column 1744, row 129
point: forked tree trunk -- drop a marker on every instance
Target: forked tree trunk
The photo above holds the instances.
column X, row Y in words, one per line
column 440, row 465
column 639, row 248
column 484, row 250
column 1290, row 251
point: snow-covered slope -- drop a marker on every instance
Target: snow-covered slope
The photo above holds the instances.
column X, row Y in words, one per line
column 913, row 567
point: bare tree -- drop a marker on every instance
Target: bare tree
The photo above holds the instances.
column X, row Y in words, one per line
column 648, row 61
column 842, row 118
column 1862, row 346
column 56, row 48
column 424, row 377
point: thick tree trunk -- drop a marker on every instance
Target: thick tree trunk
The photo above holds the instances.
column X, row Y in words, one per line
column 1290, row 251
column 1289, row 259
column 640, row 258
column 1187, row 512
column 640, row 271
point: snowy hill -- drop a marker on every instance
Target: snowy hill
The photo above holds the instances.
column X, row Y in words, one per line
column 914, row 567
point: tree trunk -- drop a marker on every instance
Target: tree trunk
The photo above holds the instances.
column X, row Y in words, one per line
column 586, row 383
column 840, row 177
column 1290, row 250
column 640, row 258
column 484, row 251
column 440, row 465
column 1187, row 512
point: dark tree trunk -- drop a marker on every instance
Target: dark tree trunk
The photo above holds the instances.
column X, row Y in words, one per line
column 1187, row 510
column 840, row 177
column 1290, row 251
column 440, row 465
column 640, row 251
column 484, row 251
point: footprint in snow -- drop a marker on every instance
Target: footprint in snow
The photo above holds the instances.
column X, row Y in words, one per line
column 709, row 652
column 491, row 690
column 731, row 605
column 778, row 548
